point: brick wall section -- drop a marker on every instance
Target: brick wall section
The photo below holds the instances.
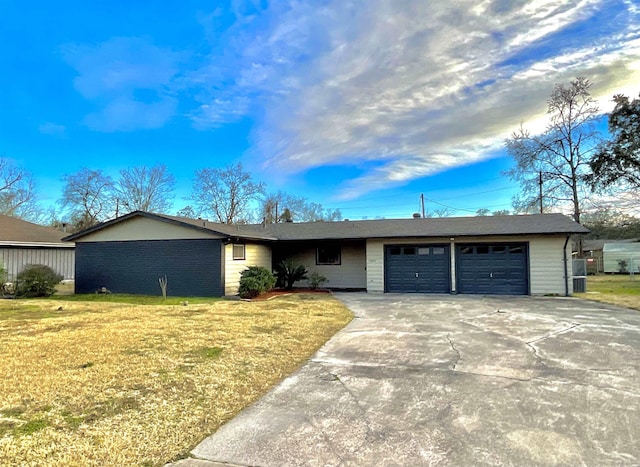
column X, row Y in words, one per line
column 192, row 267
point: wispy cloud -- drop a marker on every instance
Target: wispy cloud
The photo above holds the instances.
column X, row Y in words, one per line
column 129, row 80
column 52, row 129
column 417, row 87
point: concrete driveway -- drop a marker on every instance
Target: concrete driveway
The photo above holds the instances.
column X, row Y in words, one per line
column 453, row 380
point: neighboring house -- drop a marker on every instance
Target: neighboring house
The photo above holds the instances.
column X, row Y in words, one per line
column 23, row 243
column 621, row 257
column 517, row 255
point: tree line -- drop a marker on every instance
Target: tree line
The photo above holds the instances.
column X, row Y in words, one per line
column 90, row 196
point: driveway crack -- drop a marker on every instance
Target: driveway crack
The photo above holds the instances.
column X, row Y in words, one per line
column 453, row 347
column 367, row 423
column 553, row 334
column 326, row 438
column 489, row 375
column 534, row 349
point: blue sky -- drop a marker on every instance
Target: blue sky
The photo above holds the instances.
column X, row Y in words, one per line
column 359, row 105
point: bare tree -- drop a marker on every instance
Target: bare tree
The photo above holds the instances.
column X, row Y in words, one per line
column 145, row 189
column 501, row 212
column 272, row 206
column 443, row 212
column 88, row 195
column 551, row 167
column 17, row 191
column 187, row 211
column 297, row 208
column 225, row 193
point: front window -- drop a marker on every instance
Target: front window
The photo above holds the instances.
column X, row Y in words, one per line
column 328, row 255
column 238, row 251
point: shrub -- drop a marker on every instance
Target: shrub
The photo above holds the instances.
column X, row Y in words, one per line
column 255, row 280
column 37, row 280
column 5, row 288
column 289, row 273
column 622, row 266
column 316, row 280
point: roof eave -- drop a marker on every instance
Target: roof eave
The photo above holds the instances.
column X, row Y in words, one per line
column 431, row 235
column 36, row 244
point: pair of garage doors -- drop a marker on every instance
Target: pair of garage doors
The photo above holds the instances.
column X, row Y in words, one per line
column 480, row 268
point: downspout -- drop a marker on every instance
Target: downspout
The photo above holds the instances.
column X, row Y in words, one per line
column 566, row 267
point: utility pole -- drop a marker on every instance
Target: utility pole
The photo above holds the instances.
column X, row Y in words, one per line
column 540, row 185
column 422, row 203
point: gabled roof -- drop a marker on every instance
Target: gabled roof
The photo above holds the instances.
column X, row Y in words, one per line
column 229, row 230
column 15, row 231
column 535, row 224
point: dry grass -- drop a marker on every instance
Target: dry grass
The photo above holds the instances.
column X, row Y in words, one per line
column 121, row 384
column 621, row 290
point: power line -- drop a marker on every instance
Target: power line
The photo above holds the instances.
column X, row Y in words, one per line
column 466, row 195
column 478, row 193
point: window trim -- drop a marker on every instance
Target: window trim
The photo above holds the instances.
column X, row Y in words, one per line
column 338, row 248
column 233, row 251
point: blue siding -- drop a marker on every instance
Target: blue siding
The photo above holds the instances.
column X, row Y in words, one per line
column 193, row 267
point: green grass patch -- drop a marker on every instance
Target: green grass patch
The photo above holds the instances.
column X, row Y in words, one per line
column 134, row 299
column 622, row 290
column 14, row 411
column 72, row 421
column 6, row 426
column 267, row 329
column 31, row 427
column 28, row 313
column 207, row 352
column 614, row 284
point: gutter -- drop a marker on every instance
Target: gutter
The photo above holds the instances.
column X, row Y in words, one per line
column 566, row 267
column 12, row 244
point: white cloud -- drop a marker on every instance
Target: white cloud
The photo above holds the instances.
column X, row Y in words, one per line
column 416, row 86
column 130, row 81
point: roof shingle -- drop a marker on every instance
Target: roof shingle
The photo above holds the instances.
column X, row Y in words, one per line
column 534, row 224
column 20, row 231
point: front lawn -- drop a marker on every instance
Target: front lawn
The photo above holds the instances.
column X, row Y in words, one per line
column 135, row 299
column 95, row 383
column 622, row 290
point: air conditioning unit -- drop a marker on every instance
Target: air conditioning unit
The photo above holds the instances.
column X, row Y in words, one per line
column 579, row 284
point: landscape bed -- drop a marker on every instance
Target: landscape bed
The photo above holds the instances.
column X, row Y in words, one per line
column 109, row 383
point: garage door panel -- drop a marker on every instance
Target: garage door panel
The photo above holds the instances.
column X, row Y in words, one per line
column 492, row 269
column 417, row 268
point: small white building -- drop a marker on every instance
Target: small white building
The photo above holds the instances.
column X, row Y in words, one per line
column 621, row 257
